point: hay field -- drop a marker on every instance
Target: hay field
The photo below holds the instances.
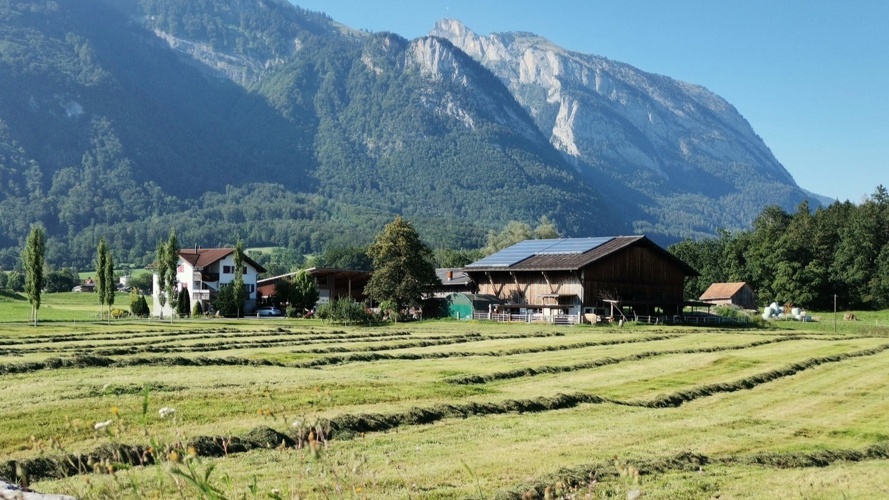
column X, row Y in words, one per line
column 444, row 409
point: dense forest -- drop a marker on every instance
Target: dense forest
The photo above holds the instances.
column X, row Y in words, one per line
column 803, row 258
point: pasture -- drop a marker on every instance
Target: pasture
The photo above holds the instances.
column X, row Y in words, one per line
column 277, row 408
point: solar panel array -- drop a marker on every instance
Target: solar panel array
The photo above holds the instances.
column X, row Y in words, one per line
column 529, row 248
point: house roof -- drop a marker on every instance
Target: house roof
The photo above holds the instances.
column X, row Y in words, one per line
column 566, row 254
column 452, row 276
column 201, row 258
column 722, row 290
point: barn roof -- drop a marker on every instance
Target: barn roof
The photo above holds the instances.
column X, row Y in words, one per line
column 566, row 254
column 722, row 290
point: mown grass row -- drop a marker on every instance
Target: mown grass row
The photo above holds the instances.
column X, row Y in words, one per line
column 163, row 345
column 176, row 337
column 93, row 361
column 577, row 477
column 348, row 426
column 553, row 369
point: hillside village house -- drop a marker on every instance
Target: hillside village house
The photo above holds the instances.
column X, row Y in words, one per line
column 593, row 277
column 202, row 271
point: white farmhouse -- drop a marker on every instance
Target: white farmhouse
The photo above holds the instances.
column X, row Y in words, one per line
column 202, row 271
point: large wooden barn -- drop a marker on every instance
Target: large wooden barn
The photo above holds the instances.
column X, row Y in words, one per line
column 608, row 276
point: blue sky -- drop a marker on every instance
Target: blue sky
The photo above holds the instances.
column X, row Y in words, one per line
column 811, row 77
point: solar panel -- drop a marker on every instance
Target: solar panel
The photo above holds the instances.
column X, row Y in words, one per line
column 529, row 248
column 575, row 246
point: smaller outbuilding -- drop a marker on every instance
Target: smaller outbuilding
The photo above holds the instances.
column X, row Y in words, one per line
column 463, row 305
column 736, row 294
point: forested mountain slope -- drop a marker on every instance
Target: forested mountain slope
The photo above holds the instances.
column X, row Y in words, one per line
column 219, row 118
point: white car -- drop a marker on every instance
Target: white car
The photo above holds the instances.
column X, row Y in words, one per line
column 269, row 311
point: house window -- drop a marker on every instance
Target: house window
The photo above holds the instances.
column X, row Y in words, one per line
column 228, row 269
column 180, row 268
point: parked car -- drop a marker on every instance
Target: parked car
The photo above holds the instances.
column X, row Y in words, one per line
column 269, row 311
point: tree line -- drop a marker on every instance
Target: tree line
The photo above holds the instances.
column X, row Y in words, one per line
column 808, row 258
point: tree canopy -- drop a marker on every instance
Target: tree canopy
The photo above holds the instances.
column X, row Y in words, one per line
column 403, row 269
column 804, row 258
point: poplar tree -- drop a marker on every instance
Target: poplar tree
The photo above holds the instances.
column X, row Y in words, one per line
column 110, row 287
column 101, row 274
column 32, row 262
column 240, row 293
column 167, row 258
column 171, row 258
column 161, row 276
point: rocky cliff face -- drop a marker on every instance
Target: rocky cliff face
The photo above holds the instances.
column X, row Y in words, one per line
column 662, row 149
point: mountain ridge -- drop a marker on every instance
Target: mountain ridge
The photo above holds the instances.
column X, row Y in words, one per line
column 638, row 128
column 257, row 118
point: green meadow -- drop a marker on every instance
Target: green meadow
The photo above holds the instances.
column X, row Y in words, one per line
column 279, row 408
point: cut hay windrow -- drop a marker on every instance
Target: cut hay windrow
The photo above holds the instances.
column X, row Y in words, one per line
column 551, row 369
column 118, row 456
column 677, row 399
column 163, row 344
column 125, row 334
column 579, row 477
column 87, row 361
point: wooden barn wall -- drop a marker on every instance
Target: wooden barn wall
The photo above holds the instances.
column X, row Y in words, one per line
column 744, row 298
column 529, row 287
column 635, row 273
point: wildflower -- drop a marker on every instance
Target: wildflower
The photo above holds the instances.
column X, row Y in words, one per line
column 115, row 410
column 166, row 412
column 101, row 425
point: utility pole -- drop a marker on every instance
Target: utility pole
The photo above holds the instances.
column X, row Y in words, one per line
column 834, row 313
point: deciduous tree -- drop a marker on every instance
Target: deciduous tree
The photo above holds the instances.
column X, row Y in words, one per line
column 403, row 270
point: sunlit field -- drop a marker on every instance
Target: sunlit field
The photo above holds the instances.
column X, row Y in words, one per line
column 278, row 408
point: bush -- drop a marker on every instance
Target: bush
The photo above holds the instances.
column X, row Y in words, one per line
column 197, row 311
column 183, row 306
column 138, row 304
column 345, row 311
column 119, row 313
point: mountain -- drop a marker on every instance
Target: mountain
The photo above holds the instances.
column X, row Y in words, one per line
column 676, row 158
column 257, row 119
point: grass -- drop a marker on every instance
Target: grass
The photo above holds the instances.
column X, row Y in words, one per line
column 471, row 409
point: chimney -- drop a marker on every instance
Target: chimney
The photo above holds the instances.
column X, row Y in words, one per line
column 450, row 275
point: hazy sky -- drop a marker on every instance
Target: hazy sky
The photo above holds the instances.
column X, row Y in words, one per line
column 811, row 77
